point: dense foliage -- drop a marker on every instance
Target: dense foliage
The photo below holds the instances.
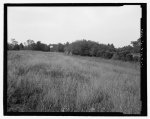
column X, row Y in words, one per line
column 84, row 48
column 91, row 48
column 28, row 45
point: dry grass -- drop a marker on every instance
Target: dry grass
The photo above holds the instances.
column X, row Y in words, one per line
column 54, row 82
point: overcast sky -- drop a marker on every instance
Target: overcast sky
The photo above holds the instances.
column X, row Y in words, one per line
column 117, row 25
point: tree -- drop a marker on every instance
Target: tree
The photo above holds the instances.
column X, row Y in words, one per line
column 38, row 45
column 9, row 46
column 30, row 44
column 41, row 46
column 124, row 53
column 90, row 48
column 21, row 47
column 15, row 45
column 60, row 47
column 136, row 45
column 14, row 42
column 93, row 49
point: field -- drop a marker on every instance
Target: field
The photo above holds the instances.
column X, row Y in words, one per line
column 55, row 82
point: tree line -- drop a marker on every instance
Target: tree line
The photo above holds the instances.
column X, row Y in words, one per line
column 28, row 45
column 84, row 48
column 91, row 48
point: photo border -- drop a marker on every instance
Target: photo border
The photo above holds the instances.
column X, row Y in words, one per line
column 143, row 59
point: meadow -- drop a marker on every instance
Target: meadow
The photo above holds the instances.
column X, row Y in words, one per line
column 55, row 82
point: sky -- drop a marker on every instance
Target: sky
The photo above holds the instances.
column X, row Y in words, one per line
column 117, row 25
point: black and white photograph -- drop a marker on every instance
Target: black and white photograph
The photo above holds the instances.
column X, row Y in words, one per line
column 75, row 59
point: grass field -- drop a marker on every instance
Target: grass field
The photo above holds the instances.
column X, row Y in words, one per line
column 55, row 82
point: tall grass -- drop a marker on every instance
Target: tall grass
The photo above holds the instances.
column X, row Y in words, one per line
column 54, row 82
